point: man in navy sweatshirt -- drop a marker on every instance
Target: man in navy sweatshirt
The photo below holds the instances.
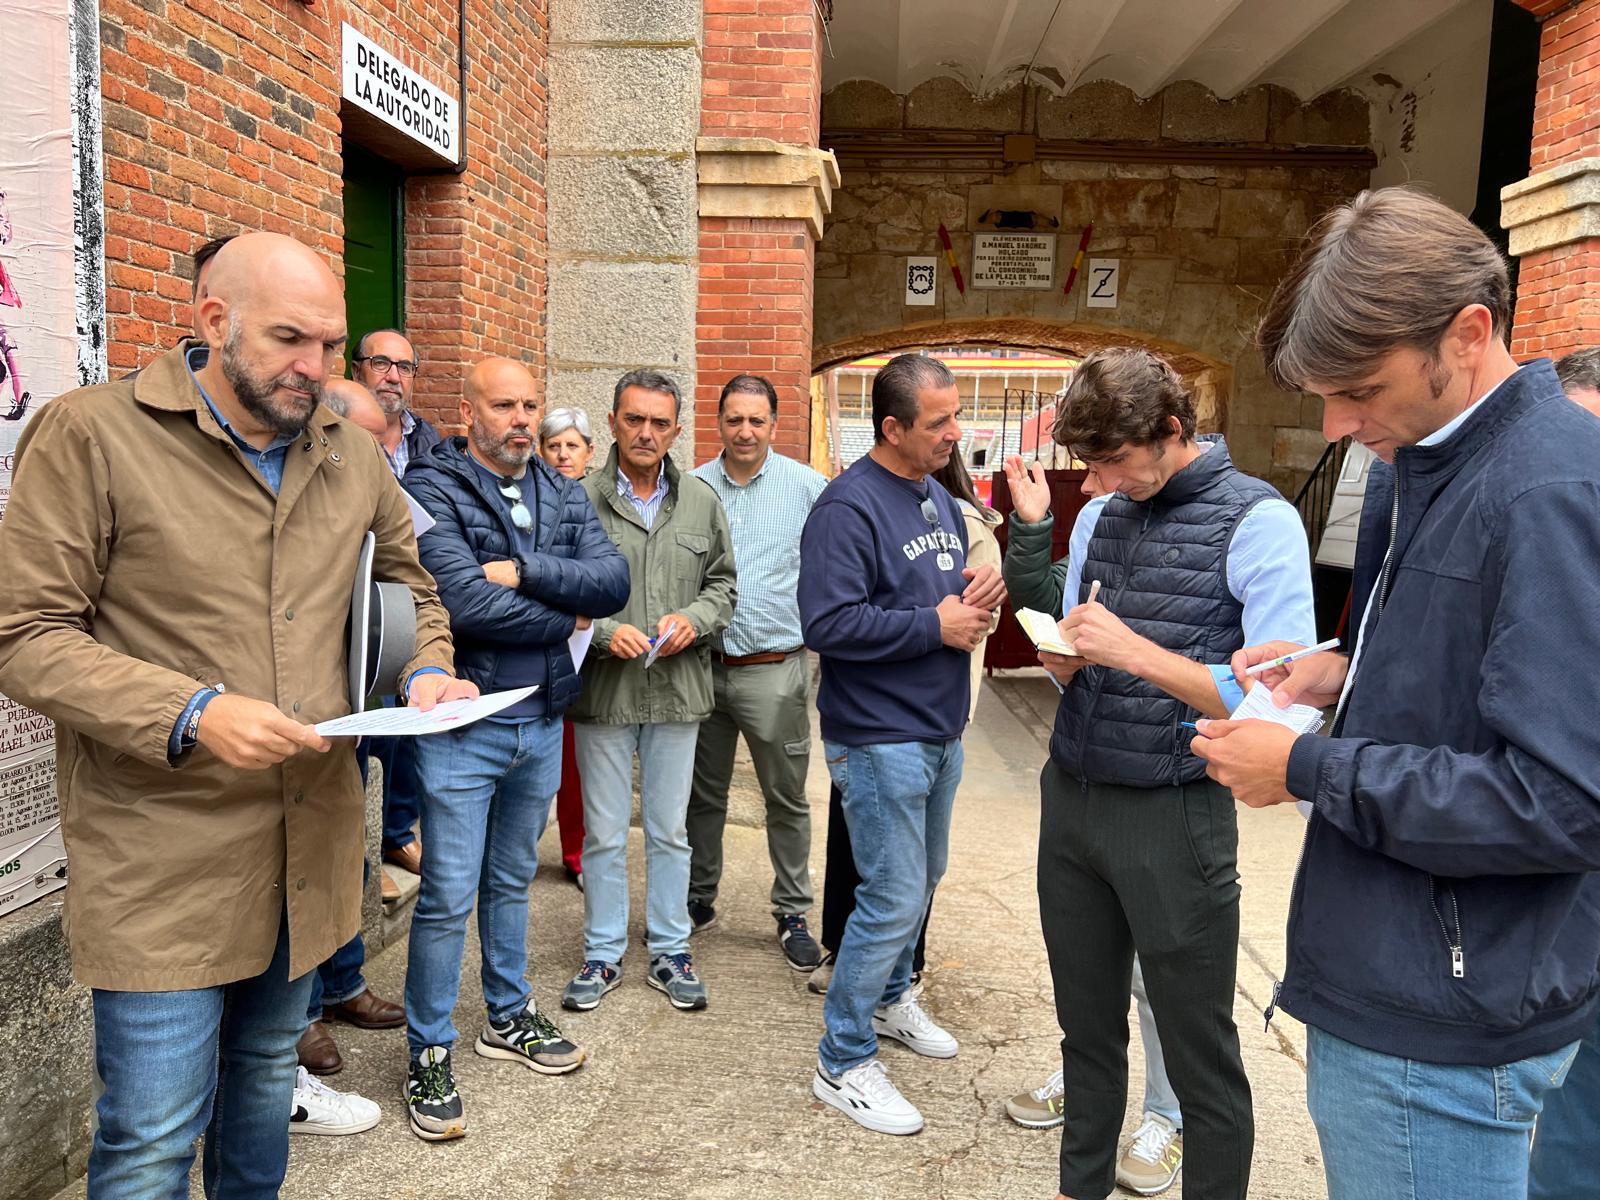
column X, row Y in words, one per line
column 887, row 600
column 1444, row 925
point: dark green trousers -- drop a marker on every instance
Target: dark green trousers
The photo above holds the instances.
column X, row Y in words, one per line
column 1153, row 870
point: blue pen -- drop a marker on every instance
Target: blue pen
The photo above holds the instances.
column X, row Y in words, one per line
column 1190, row 725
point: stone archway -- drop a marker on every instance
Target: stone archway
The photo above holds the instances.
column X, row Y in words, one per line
column 1207, row 376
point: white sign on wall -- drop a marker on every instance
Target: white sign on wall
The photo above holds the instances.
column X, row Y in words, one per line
column 1100, row 290
column 379, row 83
column 922, row 280
column 1013, row 260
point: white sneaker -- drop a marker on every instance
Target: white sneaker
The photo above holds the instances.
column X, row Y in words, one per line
column 865, row 1095
column 320, row 1109
column 907, row 1022
column 1153, row 1159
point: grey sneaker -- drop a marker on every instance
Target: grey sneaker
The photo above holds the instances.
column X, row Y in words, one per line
column 431, row 1097
column 674, row 975
column 822, row 976
column 593, row 980
column 531, row 1039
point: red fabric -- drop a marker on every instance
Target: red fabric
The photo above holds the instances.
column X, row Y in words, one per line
column 569, row 804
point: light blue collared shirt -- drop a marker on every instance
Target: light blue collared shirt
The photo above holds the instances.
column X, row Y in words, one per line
column 269, row 461
column 766, row 517
column 648, row 507
column 1269, row 574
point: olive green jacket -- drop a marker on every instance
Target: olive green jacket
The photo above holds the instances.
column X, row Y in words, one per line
column 1032, row 580
column 682, row 564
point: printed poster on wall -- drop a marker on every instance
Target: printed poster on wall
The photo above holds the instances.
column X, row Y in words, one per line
column 51, row 334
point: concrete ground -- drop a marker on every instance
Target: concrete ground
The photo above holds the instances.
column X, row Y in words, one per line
column 718, row 1104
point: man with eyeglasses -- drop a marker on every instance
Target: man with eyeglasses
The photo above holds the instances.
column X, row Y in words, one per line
column 518, row 556
column 386, row 361
column 888, row 601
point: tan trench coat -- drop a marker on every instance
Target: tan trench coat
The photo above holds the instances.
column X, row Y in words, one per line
column 140, row 558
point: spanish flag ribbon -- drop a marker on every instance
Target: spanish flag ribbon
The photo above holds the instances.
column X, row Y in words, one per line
column 1077, row 261
column 950, row 257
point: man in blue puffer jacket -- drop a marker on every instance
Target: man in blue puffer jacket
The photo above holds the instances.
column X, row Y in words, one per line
column 1444, row 927
column 519, row 556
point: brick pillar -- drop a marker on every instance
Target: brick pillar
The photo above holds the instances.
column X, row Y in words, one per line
column 764, row 191
column 1554, row 215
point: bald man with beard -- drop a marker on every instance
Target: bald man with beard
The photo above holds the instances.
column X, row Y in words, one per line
column 519, row 555
column 180, row 550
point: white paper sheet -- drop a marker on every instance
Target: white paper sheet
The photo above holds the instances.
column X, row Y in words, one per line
column 578, row 645
column 421, row 522
column 1257, row 705
column 411, row 722
column 659, row 641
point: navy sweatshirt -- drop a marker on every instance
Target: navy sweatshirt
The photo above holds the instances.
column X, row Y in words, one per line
column 872, row 571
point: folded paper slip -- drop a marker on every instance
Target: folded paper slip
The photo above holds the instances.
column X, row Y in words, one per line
column 1257, row 705
column 1043, row 631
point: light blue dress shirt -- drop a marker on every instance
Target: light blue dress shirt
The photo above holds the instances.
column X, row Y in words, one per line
column 648, row 507
column 1269, row 573
column 766, row 517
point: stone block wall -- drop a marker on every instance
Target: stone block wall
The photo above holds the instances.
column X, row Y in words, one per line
column 224, row 119
column 625, row 89
column 1200, row 243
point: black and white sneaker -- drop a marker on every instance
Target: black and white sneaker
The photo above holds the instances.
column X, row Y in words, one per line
column 530, row 1038
column 799, row 947
column 431, row 1097
column 319, row 1109
column 865, row 1095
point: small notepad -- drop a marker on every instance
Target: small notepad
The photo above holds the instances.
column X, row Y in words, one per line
column 1043, row 631
column 1257, row 705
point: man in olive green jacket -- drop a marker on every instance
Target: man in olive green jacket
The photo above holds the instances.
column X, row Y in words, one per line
column 646, row 688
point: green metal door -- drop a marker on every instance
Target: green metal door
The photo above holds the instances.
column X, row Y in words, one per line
column 374, row 244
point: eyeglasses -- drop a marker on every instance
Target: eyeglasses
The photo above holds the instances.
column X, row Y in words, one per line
column 930, row 513
column 382, row 362
column 520, row 516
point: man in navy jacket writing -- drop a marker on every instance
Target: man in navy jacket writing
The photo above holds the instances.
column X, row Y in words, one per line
column 1444, row 929
column 887, row 600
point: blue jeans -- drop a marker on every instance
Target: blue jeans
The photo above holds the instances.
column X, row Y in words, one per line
column 218, row 1061
column 1398, row 1129
column 897, row 801
column 402, row 798
column 486, row 793
column 339, row 978
column 1569, row 1131
column 666, row 768
column 1159, row 1098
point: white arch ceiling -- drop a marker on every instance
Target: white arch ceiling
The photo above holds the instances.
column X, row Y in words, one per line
column 1307, row 46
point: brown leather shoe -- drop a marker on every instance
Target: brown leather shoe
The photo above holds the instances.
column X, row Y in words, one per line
column 407, row 857
column 388, row 889
column 318, row 1052
column 366, row 1011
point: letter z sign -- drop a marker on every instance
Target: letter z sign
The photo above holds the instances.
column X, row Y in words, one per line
column 1101, row 289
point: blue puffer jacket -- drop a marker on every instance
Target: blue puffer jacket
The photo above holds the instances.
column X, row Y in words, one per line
column 575, row 570
column 1443, row 909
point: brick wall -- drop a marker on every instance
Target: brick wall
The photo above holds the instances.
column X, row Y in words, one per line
column 755, row 318
column 1558, row 289
column 225, row 118
column 761, row 78
column 761, row 74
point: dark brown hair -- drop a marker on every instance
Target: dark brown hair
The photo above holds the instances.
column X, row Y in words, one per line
column 1391, row 269
column 1121, row 397
column 953, row 477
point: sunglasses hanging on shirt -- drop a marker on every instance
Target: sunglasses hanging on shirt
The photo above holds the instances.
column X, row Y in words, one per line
column 520, row 516
column 930, row 514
